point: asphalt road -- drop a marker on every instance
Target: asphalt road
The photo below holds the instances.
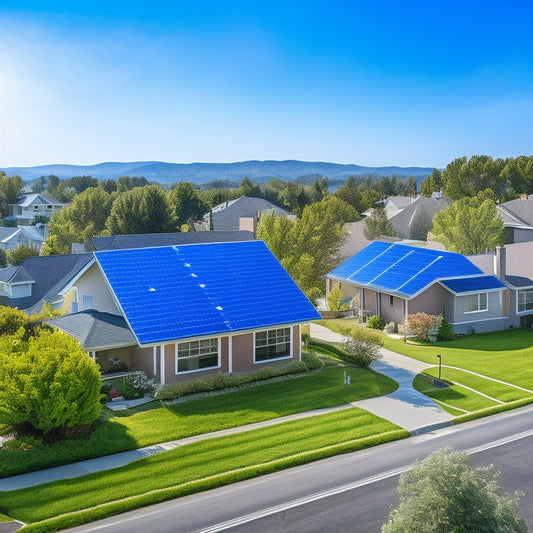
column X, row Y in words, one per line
column 347, row 493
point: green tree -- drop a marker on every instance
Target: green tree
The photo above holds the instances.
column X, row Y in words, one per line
column 186, row 203
column 83, row 219
column 308, row 246
column 127, row 183
column 350, row 193
column 444, row 494
column 427, row 187
column 48, row 386
column 17, row 256
column 10, row 188
column 376, row 225
column 141, row 210
column 469, row 225
column 248, row 188
column 12, row 319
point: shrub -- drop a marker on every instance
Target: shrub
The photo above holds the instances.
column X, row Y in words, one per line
column 390, row 327
column 228, row 381
column 50, row 387
column 11, row 319
column 361, row 353
column 305, row 338
column 445, row 331
column 425, row 327
column 376, row 322
column 136, row 385
column 368, row 335
column 311, row 361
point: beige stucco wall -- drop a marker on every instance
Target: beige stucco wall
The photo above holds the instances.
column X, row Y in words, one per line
column 433, row 301
column 92, row 283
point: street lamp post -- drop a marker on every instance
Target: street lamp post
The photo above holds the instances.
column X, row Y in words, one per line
column 440, row 364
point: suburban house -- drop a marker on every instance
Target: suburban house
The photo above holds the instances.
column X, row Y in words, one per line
column 40, row 279
column 34, row 208
column 411, row 218
column 240, row 214
column 517, row 216
column 31, row 236
column 513, row 264
column 395, row 280
column 181, row 312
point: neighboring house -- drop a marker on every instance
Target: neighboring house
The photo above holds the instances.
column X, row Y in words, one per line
column 31, row 236
column 513, row 264
column 517, row 216
column 240, row 214
column 412, row 218
column 150, row 240
column 182, row 312
column 395, row 280
column 415, row 220
column 34, row 205
column 355, row 239
column 39, row 279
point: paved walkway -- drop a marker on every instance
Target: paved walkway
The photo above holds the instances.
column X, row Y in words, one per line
column 405, row 407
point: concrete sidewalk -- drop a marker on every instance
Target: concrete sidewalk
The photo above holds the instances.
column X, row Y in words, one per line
column 405, row 407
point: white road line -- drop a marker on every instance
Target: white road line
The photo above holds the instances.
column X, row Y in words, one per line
column 350, row 486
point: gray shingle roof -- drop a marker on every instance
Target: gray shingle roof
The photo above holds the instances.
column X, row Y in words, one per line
column 51, row 274
column 226, row 215
column 152, row 240
column 95, row 330
column 517, row 213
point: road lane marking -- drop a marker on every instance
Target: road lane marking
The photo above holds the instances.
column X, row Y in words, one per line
column 344, row 488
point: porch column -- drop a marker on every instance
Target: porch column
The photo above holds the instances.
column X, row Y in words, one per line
column 162, row 361
column 154, row 358
column 230, row 354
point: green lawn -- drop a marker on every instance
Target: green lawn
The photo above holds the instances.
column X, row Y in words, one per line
column 505, row 355
column 126, row 430
column 202, row 465
column 454, row 395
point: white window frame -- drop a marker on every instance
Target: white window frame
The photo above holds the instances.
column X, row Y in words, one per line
column 291, row 347
column 479, row 308
column 525, row 292
column 177, row 372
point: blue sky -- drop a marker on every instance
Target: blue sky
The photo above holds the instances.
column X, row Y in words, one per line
column 366, row 82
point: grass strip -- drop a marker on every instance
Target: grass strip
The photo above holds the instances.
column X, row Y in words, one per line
column 116, row 507
column 491, row 388
column 194, row 462
column 488, row 411
column 131, row 429
column 455, row 395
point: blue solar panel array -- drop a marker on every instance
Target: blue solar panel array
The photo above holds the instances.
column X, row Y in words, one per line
column 476, row 284
column 177, row 292
column 402, row 270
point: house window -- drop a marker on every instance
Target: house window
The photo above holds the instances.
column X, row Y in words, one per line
column 391, row 300
column 197, row 355
column 36, row 207
column 525, row 301
column 475, row 302
column 48, row 207
column 273, row 344
column 87, row 301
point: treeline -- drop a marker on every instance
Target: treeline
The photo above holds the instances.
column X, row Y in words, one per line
column 506, row 178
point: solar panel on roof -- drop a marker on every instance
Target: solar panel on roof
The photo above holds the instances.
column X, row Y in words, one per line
column 400, row 269
column 179, row 292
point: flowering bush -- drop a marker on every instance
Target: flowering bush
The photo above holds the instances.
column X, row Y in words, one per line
column 136, row 385
column 113, row 393
column 361, row 352
column 425, row 327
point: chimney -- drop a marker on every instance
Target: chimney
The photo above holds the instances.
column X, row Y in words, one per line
column 500, row 263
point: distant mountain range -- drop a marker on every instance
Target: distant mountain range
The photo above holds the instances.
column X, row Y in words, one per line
column 257, row 171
